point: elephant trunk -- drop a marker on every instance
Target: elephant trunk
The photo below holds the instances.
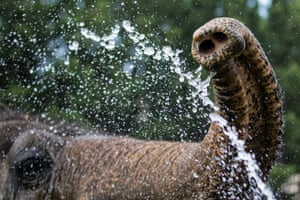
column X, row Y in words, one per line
column 246, row 91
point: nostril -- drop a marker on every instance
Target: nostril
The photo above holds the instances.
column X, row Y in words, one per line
column 219, row 36
column 207, row 46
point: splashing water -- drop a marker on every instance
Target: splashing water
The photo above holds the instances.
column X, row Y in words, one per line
column 144, row 47
column 251, row 165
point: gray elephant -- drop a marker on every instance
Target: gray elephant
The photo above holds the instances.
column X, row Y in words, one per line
column 58, row 161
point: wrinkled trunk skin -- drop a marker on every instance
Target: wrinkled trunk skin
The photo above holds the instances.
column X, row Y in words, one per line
column 245, row 86
column 39, row 161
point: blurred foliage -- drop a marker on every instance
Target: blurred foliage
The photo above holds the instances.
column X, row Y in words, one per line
column 40, row 73
column 280, row 174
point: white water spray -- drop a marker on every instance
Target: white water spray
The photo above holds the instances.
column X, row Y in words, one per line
column 242, row 155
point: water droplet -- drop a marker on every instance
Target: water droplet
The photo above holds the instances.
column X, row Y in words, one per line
column 181, row 79
column 195, row 175
column 127, row 26
column 89, row 34
column 149, row 51
column 74, row 46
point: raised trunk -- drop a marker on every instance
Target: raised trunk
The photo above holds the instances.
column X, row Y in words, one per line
column 246, row 90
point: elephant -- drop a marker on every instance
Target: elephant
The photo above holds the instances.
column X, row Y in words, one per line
column 58, row 161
